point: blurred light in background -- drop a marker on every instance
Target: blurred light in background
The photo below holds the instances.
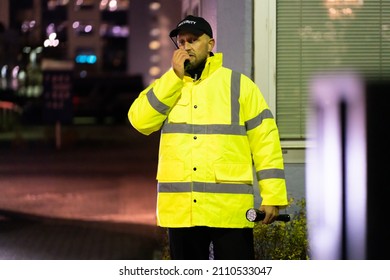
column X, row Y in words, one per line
column 338, row 9
column 154, row 71
column 154, row 45
column 154, row 6
column 52, row 41
column 82, row 27
column 86, row 59
column 156, row 58
column 4, row 70
column 114, row 5
column 336, row 168
column 52, row 4
column 154, row 32
column 111, row 30
column 28, row 25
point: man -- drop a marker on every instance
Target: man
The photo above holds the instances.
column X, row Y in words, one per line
column 215, row 126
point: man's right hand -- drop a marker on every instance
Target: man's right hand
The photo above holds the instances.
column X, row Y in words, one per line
column 178, row 59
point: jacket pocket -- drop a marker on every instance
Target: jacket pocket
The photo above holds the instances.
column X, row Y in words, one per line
column 179, row 112
column 233, row 173
column 170, row 171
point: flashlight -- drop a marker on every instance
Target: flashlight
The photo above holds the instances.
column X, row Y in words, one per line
column 255, row 215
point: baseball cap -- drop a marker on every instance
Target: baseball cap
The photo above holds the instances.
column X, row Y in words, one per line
column 193, row 24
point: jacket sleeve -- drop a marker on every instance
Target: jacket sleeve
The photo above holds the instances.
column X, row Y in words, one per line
column 150, row 109
column 263, row 137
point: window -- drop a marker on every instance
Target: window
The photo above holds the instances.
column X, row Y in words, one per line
column 317, row 36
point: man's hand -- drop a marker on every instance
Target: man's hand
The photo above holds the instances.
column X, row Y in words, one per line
column 178, row 59
column 271, row 212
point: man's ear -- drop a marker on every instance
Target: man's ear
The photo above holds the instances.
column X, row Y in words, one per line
column 211, row 44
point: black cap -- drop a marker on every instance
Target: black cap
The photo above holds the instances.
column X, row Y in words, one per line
column 195, row 25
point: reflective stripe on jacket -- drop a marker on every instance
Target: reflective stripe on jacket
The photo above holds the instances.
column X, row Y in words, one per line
column 213, row 131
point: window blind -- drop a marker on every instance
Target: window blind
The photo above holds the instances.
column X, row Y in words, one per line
column 319, row 36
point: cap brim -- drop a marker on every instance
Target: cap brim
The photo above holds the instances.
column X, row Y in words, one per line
column 176, row 31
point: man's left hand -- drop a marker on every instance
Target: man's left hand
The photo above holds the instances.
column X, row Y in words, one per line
column 271, row 212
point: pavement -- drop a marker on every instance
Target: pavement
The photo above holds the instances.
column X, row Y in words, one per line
column 93, row 197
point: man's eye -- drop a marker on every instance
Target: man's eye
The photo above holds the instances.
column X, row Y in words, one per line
column 190, row 41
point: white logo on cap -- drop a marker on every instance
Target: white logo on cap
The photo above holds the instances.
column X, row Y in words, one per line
column 186, row 21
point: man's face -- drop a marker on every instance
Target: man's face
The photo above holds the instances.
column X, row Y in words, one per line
column 198, row 47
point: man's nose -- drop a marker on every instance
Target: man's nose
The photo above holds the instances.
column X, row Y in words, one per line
column 186, row 45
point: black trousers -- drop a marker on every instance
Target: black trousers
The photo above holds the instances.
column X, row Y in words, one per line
column 228, row 243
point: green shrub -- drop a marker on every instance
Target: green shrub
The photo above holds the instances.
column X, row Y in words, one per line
column 165, row 247
column 283, row 241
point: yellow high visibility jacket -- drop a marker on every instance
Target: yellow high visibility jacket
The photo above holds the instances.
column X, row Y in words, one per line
column 213, row 131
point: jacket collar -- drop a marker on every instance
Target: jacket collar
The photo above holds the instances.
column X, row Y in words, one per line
column 212, row 64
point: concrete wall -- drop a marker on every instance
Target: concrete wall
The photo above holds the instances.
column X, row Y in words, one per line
column 232, row 24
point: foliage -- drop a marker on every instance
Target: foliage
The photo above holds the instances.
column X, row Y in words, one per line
column 165, row 247
column 283, row 241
